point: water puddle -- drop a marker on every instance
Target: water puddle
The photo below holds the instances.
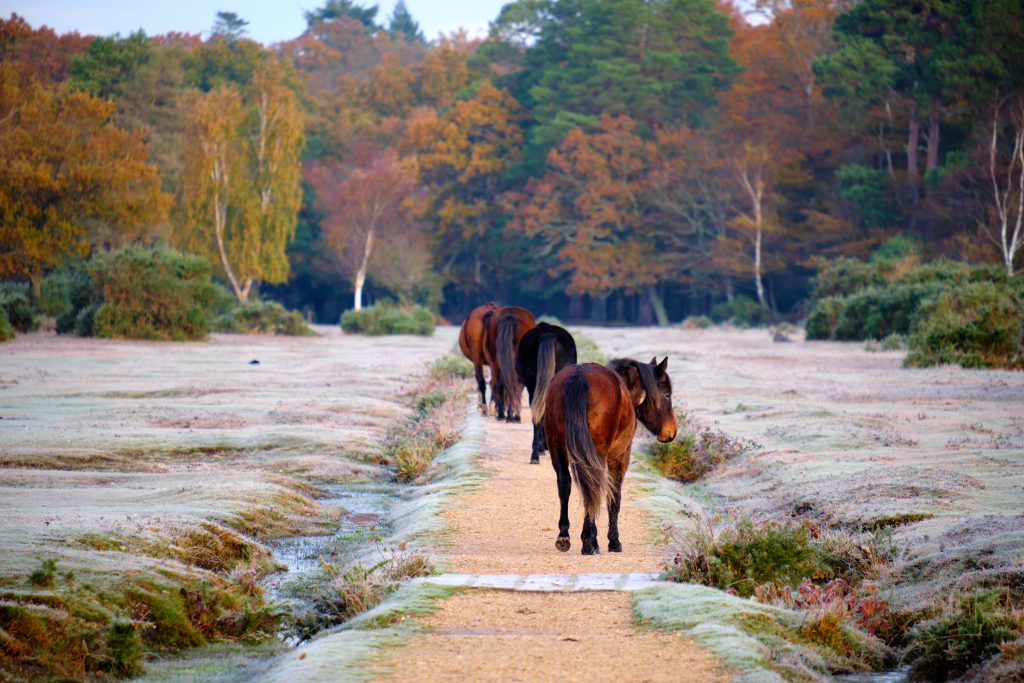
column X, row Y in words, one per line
column 366, row 507
column 897, row 676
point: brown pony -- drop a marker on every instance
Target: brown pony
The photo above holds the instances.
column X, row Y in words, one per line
column 502, row 333
column 589, row 424
column 471, row 341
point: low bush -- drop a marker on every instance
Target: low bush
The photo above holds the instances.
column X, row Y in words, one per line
column 741, row 555
column 450, row 366
column 16, row 301
column 262, row 317
column 742, row 311
column 385, row 318
column 844, row 276
column 772, row 558
column 151, row 293
column 977, row 325
column 694, row 452
column 969, row 629
column 62, row 291
column 6, row 329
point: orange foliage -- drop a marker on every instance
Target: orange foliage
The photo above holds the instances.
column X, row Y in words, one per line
column 67, row 177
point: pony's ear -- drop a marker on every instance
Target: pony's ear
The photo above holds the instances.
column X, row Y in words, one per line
column 654, row 361
column 662, row 366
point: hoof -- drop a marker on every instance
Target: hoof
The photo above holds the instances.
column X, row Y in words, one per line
column 515, row 419
column 534, row 460
column 591, row 551
column 562, row 543
column 614, row 546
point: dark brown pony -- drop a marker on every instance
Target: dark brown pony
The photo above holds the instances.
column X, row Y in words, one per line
column 502, row 333
column 471, row 341
column 590, row 422
column 542, row 352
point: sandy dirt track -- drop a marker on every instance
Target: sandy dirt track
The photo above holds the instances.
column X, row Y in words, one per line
column 508, row 526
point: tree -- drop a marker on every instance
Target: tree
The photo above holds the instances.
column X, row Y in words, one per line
column 591, row 209
column 241, row 185
column 657, row 62
column 39, row 51
column 67, row 174
column 229, row 26
column 1006, row 171
column 145, row 81
column 402, row 25
column 463, row 155
column 371, row 209
column 333, row 9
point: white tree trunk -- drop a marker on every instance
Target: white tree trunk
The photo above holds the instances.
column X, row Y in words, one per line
column 1010, row 213
column 364, row 265
column 755, row 190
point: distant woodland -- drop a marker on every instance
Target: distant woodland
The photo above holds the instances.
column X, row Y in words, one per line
column 610, row 160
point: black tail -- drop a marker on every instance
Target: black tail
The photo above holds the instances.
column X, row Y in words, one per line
column 506, row 343
column 545, row 371
column 588, row 468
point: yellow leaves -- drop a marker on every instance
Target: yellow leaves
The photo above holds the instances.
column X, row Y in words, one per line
column 241, row 185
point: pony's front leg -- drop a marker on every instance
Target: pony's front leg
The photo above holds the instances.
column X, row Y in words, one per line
column 564, row 489
column 538, row 443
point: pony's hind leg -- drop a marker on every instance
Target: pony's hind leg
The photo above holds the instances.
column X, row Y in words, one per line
column 589, row 537
column 481, row 385
column 564, row 489
column 616, row 473
column 614, row 499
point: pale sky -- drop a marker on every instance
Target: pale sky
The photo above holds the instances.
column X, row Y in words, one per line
column 269, row 22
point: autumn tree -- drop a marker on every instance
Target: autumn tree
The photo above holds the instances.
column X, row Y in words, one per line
column 368, row 210
column 68, row 177
column 240, row 193
column 463, row 154
column 590, row 207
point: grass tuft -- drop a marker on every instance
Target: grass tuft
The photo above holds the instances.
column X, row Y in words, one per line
column 695, row 451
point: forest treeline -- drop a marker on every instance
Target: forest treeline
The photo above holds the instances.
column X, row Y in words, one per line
column 602, row 159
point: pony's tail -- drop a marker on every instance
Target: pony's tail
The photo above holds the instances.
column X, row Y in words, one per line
column 545, row 371
column 588, row 468
column 506, row 343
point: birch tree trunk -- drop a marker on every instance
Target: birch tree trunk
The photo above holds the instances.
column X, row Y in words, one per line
column 1009, row 209
column 913, row 184
column 755, row 190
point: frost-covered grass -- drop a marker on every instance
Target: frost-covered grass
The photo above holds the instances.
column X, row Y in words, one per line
column 758, row 642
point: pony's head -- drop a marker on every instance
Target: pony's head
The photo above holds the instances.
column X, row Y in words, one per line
column 650, row 389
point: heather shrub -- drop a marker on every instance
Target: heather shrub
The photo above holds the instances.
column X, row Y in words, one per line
column 450, row 366
column 387, row 318
column 696, row 322
column 694, row 452
column 880, row 311
column 969, row 629
column 151, row 293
